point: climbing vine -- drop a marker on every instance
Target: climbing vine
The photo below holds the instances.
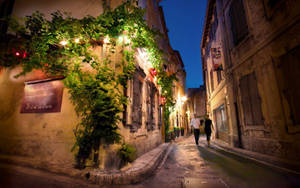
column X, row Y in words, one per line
column 66, row 46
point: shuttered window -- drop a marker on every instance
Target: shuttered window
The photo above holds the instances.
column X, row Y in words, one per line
column 212, row 81
column 137, row 102
column 251, row 101
column 238, row 21
column 220, row 118
column 151, row 106
column 288, row 70
column 219, row 76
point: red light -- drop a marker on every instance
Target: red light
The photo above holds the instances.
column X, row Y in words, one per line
column 24, row 55
column 18, row 54
column 153, row 72
column 163, row 100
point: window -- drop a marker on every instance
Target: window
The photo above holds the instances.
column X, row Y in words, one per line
column 212, row 80
column 137, row 102
column 272, row 5
column 214, row 25
column 142, row 3
column 160, row 111
column 238, row 21
column 219, row 76
column 288, row 73
column 251, row 101
column 155, row 4
column 220, row 117
column 6, row 7
column 151, row 106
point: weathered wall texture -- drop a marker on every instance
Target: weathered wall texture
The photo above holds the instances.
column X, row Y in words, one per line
column 46, row 138
column 261, row 70
column 197, row 101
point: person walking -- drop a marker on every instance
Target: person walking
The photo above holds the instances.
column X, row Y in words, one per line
column 195, row 125
column 207, row 129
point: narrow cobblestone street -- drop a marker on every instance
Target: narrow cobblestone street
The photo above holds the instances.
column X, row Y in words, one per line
column 190, row 166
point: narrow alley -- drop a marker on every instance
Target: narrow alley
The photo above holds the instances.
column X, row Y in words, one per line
column 106, row 93
column 194, row 166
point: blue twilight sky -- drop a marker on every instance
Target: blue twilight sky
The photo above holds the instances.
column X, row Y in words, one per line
column 185, row 20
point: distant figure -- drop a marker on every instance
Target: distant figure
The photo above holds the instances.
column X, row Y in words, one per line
column 201, row 122
column 207, row 129
column 195, row 124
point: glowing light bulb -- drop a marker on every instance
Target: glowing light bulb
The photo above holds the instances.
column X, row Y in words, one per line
column 106, row 40
column 126, row 39
column 121, row 38
column 18, row 54
column 63, row 42
column 76, row 40
column 184, row 98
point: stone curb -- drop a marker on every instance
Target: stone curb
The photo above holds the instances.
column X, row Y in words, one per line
column 281, row 164
column 140, row 169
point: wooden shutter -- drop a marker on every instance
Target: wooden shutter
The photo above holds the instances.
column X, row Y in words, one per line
column 212, row 81
column 137, row 102
column 151, row 106
column 255, row 100
column 246, row 103
column 289, row 68
column 219, row 76
column 238, row 21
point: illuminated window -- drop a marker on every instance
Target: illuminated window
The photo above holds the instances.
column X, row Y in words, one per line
column 220, row 118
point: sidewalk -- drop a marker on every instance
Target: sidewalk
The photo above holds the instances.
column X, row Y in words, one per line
column 274, row 162
column 139, row 170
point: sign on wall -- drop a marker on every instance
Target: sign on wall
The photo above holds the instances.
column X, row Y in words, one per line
column 42, row 97
column 216, row 55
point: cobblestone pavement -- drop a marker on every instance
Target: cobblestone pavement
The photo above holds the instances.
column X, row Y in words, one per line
column 194, row 166
column 183, row 168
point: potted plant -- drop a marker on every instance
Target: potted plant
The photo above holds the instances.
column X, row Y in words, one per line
column 182, row 131
column 169, row 135
column 177, row 131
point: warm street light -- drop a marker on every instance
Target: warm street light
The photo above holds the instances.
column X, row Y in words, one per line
column 184, row 98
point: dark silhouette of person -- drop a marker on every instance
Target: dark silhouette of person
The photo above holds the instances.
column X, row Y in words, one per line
column 207, row 129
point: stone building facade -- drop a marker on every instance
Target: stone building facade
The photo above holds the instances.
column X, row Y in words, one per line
column 45, row 140
column 250, row 55
column 196, row 103
column 178, row 117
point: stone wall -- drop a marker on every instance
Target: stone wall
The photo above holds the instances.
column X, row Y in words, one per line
column 272, row 39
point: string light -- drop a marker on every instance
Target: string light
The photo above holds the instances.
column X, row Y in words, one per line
column 121, row 38
column 63, row 42
column 76, row 40
column 106, row 40
column 126, row 39
column 17, row 54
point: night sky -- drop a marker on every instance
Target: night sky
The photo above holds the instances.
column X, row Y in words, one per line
column 185, row 20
